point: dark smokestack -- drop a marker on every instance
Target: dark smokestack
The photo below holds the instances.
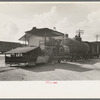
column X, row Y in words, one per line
column 66, row 35
column 54, row 28
column 34, row 28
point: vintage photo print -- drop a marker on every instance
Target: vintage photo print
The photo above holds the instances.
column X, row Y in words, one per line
column 49, row 46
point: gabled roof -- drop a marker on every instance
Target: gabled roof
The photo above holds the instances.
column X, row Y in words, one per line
column 21, row 50
column 41, row 33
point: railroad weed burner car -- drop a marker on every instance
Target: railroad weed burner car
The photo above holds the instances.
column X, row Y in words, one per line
column 26, row 55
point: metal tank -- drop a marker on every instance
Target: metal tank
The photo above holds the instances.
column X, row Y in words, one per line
column 75, row 45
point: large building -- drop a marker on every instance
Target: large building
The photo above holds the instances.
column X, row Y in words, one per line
column 35, row 35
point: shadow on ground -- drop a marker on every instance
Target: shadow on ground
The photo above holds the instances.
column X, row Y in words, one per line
column 7, row 69
column 52, row 67
column 89, row 61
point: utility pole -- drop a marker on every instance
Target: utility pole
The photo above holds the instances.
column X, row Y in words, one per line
column 97, row 36
column 79, row 32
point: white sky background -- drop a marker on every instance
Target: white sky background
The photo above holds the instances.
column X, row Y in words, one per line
column 16, row 18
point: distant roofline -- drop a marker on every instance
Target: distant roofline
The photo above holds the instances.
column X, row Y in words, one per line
column 10, row 42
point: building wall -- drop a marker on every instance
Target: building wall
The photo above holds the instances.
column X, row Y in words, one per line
column 59, row 37
column 34, row 40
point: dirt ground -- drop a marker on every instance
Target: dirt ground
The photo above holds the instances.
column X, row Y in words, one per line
column 80, row 70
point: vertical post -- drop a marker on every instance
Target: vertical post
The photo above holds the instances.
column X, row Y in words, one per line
column 97, row 37
column 79, row 33
column 97, row 48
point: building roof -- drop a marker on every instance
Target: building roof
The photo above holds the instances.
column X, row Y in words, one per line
column 21, row 50
column 6, row 46
column 9, row 42
column 42, row 32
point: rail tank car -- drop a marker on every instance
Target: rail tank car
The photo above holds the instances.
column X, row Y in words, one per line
column 77, row 48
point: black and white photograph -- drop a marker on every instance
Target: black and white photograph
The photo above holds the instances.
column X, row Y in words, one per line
column 49, row 49
column 49, row 41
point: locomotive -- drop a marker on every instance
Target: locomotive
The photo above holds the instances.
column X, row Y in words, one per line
column 71, row 49
column 78, row 49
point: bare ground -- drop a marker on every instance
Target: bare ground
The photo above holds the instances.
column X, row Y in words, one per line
column 80, row 70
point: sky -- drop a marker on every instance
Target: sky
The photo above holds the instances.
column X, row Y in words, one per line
column 67, row 17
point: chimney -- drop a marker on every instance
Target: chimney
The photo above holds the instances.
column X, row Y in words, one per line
column 66, row 35
column 54, row 28
column 34, row 28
